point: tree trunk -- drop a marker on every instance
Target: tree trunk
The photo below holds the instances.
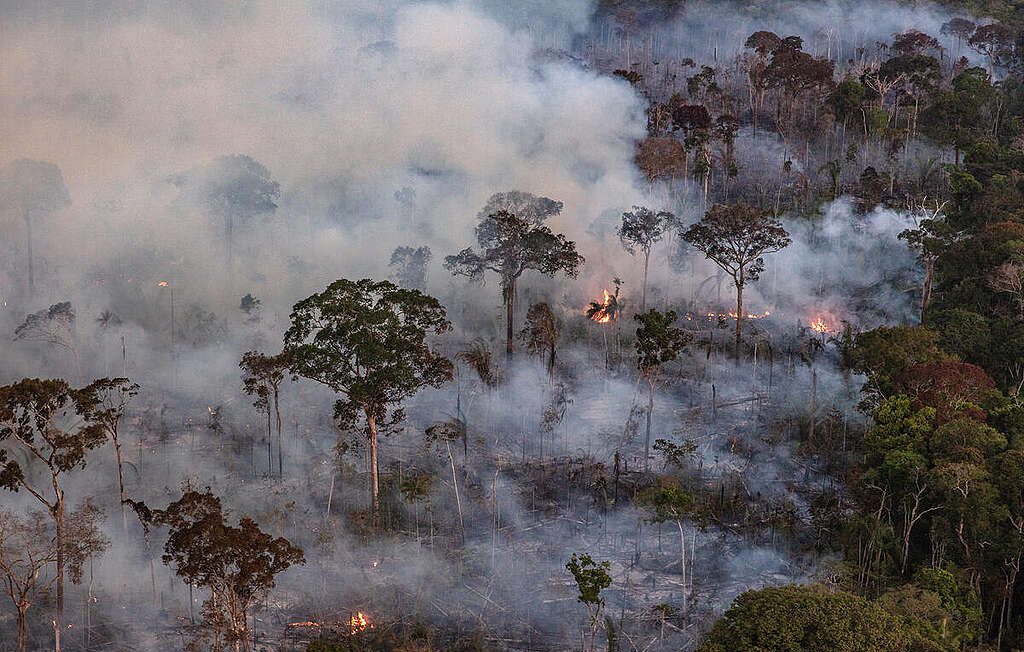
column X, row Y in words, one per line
column 647, row 433
column 643, row 291
column 280, row 449
column 926, row 290
column 58, row 522
column 510, row 302
column 739, row 314
column 682, row 562
column 21, row 627
column 120, row 478
column 455, row 485
column 371, row 421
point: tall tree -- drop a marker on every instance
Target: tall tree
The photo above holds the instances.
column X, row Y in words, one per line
column 667, row 502
column 641, row 229
column 736, row 237
column 367, row 340
column 34, row 419
column 591, row 578
column 33, row 189
column 262, row 376
column 410, row 267
column 237, row 564
column 512, row 240
column 105, row 401
column 233, row 188
column 657, row 343
column 930, row 239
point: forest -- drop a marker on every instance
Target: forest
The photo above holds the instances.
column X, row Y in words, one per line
column 480, row 326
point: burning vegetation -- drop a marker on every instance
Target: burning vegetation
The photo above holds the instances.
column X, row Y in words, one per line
column 228, row 417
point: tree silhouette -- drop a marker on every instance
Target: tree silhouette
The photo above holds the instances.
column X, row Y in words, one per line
column 34, row 189
column 33, row 418
column 736, row 237
column 513, row 239
column 641, row 229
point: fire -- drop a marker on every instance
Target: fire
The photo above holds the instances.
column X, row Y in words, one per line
column 823, row 322
column 163, row 284
column 731, row 314
column 602, row 311
column 359, row 623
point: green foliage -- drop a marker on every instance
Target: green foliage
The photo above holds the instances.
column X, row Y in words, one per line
column 666, row 502
column 367, row 340
column 591, row 578
column 658, row 341
column 883, row 353
column 807, row 619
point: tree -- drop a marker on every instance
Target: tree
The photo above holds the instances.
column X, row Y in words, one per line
column 28, row 546
column 34, row 189
column 667, row 502
column 33, row 418
column 641, row 229
column 657, row 343
column 930, row 239
column 410, row 267
column 104, row 402
column 262, row 376
column 232, row 188
column 237, row 564
column 591, row 578
column 736, row 237
column 541, row 333
column 367, row 340
column 513, row 240
column 806, row 619
column 54, row 326
column 883, row 353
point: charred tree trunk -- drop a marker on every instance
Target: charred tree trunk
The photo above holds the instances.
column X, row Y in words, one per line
column 371, row 421
column 510, row 302
column 643, row 290
column 647, row 431
column 739, row 314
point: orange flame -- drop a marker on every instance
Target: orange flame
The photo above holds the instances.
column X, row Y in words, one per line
column 359, row 623
column 163, row 284
column 604, row 315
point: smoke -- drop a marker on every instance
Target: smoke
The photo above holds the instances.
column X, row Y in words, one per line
column 347, row 103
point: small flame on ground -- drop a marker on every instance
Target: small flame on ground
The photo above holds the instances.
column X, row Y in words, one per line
column 359, row 623
column 731, row 314
column 163, row 284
